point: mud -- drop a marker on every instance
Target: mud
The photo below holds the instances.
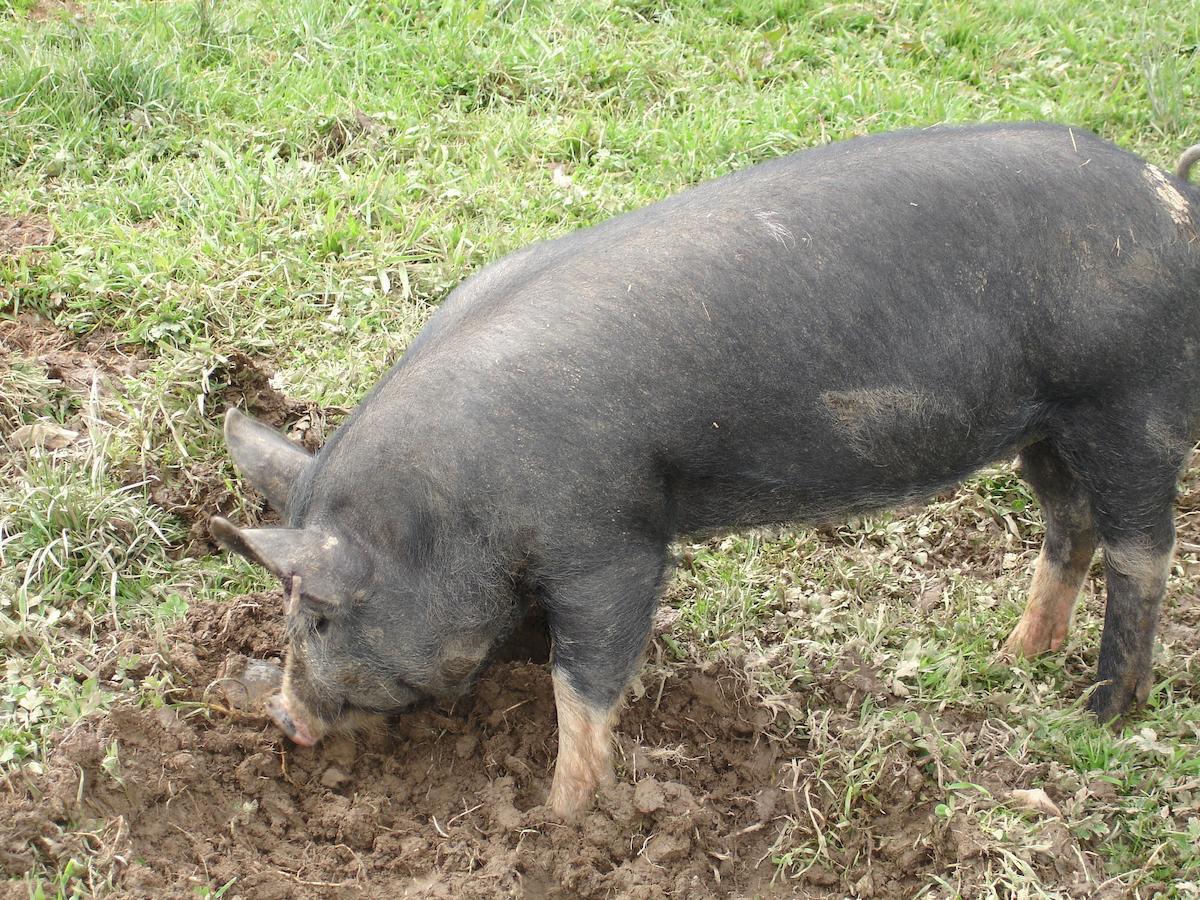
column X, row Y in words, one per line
column 21, row 235
column 78, row 373
column 446, row 802
column 193, row 496
column 247, row 384
column 99, row 358
column 714, row 781
column 97, row 363
column 202, row 490
column 55, row 10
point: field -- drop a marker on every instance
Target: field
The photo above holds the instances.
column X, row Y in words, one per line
column 259, row 204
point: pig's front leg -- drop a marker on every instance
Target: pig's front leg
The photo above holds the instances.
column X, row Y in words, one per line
column 584, row 747
column 599, row 625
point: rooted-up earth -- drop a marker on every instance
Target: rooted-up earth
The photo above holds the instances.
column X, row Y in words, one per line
column 447, row 802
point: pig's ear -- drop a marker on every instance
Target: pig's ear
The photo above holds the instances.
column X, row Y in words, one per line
column 269, row 461
column 276, row 549
column 325, row 566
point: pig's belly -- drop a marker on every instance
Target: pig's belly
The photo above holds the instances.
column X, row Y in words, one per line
column 830, row 467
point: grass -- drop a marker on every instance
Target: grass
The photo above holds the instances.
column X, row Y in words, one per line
column 304, row 182
column 935, row 698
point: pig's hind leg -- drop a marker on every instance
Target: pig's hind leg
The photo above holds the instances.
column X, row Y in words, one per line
column 1129, row 461
column 599, row 624
column 1067, row 551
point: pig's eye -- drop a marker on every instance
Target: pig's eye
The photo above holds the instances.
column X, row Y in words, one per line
column 321, row 625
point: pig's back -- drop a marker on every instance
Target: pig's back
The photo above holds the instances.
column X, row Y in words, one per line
column 875, row 317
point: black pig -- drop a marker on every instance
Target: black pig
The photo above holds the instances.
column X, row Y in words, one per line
column 843, row 329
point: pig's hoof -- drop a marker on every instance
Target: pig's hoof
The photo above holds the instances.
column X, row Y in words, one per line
column 1033, row 636
column 1112, row 701
column 572, row 793
column 1107, row 706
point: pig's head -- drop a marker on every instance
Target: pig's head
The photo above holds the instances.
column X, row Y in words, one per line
column 382, row 614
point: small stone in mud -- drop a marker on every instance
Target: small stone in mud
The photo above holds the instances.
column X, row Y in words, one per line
column 765, row 803
column 333, row 778
column 1035, row 800
column 706, row 690
column 1104, row 791
column 916, row 778
column 516, row 766
column 247, row 683
column 648, row 797
column 183, row 761
column 865, row 886
column 183, row 657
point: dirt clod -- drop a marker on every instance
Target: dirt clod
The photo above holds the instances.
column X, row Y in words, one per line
column 649, row 797
column 250, row 387
column 247, row 683
column 333, row 778
column 76, row 361
column 202, row 490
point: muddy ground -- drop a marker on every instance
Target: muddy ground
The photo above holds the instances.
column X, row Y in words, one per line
column 448, row 802
column 444, row 803
column 21, row 235
column 90, row 369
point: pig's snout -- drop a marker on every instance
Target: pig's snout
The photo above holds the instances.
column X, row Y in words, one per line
column 289, row 724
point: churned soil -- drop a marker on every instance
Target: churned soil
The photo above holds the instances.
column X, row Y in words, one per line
column 82, row 364
column 164, row 801
column 98, row 364
column 21, row 234
column 53, row 10
column 249, row 387
column 196, row 493
column 440, row 803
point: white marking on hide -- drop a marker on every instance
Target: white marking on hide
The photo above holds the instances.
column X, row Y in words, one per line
column 1176, row 205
